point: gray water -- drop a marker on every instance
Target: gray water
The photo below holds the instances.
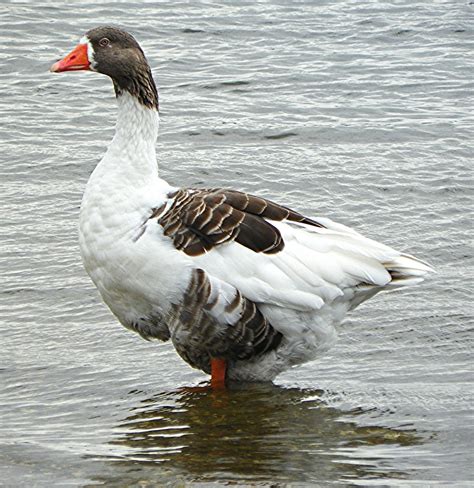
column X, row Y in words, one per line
column 359, row 111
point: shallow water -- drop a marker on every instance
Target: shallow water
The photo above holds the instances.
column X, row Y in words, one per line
column 360, row 111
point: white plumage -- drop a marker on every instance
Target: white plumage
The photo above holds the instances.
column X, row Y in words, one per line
column 302, row 291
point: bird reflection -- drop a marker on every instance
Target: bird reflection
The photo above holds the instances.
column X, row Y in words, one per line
column 256, row 432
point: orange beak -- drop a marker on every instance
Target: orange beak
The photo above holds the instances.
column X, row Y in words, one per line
column 76, row 60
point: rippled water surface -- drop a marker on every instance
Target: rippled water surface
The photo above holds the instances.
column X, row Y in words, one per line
column 357, row 110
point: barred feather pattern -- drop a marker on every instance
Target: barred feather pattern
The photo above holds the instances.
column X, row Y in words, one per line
column 218, row 322
column 200, row 219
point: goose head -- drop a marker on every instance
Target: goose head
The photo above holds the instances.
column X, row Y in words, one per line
column 115, row 53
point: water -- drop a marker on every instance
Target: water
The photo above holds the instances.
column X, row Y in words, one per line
column 360, row 111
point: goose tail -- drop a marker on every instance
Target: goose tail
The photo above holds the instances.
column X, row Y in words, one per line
column 406, row 270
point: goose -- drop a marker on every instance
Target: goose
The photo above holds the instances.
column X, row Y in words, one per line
column 245, row 288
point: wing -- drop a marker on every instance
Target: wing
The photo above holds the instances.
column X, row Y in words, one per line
column 275, row 255
column 199, row 220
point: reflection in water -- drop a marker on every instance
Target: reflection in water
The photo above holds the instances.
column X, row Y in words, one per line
column 254, row 433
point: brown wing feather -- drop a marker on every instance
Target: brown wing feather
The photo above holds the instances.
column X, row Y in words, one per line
column 199, row 220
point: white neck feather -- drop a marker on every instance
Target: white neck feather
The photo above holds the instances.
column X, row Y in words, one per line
column 136, row 124
column 131, row 156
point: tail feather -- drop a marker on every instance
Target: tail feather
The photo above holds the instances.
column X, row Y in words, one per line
column 407, row 270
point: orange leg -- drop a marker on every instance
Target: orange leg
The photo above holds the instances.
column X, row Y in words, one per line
column 218, row 370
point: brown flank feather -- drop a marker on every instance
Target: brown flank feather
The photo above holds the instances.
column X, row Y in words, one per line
column 198, row 337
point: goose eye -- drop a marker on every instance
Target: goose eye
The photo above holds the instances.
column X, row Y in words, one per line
column 104, row 42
